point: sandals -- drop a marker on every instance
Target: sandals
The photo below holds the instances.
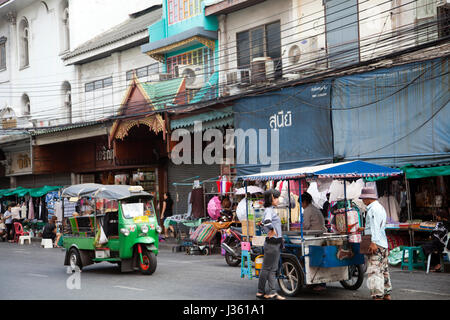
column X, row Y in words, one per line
column 260, row 296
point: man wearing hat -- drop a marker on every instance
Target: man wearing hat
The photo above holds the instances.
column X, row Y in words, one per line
column 378, row 279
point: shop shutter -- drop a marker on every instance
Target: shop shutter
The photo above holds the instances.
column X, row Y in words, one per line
column 37, row 181
column 178, row 173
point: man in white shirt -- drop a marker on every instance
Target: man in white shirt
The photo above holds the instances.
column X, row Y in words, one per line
column 378, row 279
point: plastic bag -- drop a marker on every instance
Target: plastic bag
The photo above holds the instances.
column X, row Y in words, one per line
column 395, row 256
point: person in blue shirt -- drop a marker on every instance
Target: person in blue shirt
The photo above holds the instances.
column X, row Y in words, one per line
column 272, row 247
column 378, row 278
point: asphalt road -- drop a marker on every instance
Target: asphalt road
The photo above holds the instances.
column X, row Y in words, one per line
column 31, row 272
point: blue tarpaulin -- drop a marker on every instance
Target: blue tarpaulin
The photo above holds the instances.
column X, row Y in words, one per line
column 300, row 115
column 348, row 169
column 394, row 116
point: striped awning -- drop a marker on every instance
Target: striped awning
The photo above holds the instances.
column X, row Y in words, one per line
column 209, row 120
column 350, row 169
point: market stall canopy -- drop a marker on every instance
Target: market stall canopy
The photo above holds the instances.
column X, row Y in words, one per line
column 417, row 173
column 19, row 191
column 39, row 192
column 350, row 169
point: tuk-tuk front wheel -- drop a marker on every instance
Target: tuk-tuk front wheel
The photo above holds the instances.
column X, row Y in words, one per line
column 356, row 277
column 148, row 263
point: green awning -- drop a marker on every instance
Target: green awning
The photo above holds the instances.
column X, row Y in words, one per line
column 39, row 192
column 19, row 191
column 412, row 172
column 35, row 192
column 417, row 173
column 211, row 119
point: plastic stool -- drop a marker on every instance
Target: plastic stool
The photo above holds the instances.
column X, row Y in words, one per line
column 245, row 257
column 416, row 258
column 47, row 243
column 23, row 238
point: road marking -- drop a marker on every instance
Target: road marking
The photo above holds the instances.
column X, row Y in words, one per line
column 38, row 275
column 427, row 292
column 129, row 288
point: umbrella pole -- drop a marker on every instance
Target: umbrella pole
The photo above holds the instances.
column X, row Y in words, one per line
column 289, row 206
column 301, row 208
column 345, row 206
column 246, row 207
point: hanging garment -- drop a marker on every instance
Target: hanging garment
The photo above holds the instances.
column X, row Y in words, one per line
column 294, row 187
column 390, row 204
column 282, row 186
column 197, row 201
column 58, row 210
column 295, row 212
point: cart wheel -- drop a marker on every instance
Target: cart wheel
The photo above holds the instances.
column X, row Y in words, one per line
column 75, row 259
column 149, row 262
column 206, row 251
column 290, row 279
column 356, row 277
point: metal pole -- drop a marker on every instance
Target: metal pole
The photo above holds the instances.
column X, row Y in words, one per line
column 289, row 205
column 301, row 208
column 345, row 206
column 408, row 204
column 246, row 206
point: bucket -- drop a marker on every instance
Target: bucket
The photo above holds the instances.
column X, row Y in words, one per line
column 258, row 264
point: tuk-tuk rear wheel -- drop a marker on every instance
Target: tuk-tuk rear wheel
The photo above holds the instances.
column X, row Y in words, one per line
column 290, row 280
column 148, row 264
column 74, row 259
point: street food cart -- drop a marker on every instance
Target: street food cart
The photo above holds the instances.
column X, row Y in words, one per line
column 121, row 229
column 314, row 257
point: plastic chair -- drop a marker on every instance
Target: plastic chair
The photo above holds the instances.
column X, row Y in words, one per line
column 416, row 258
column 18, row 231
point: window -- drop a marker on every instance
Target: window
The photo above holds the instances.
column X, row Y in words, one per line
column 203, row 56
column 2, row 53
column 26, row 106
column 426, row 11
column 262, row 41
column 24, row 35
column 98, row 84
column 99, row 99
column 179, row 10
column 143, row 72
column 66, row 95
column 66, row 30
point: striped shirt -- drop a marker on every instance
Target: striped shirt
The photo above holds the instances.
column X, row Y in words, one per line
column 271, row 221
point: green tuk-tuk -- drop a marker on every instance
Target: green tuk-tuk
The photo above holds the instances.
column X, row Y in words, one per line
column 120, row 227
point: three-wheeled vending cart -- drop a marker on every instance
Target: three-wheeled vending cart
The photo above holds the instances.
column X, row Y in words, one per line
column 120, row 227
column 316, row 257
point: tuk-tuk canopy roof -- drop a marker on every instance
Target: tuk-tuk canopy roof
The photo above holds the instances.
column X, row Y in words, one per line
column 99, row 191
column 349, row 169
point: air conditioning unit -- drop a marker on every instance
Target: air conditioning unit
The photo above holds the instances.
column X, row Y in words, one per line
column 262, row 69
column 239, row 76
column 195, row 78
